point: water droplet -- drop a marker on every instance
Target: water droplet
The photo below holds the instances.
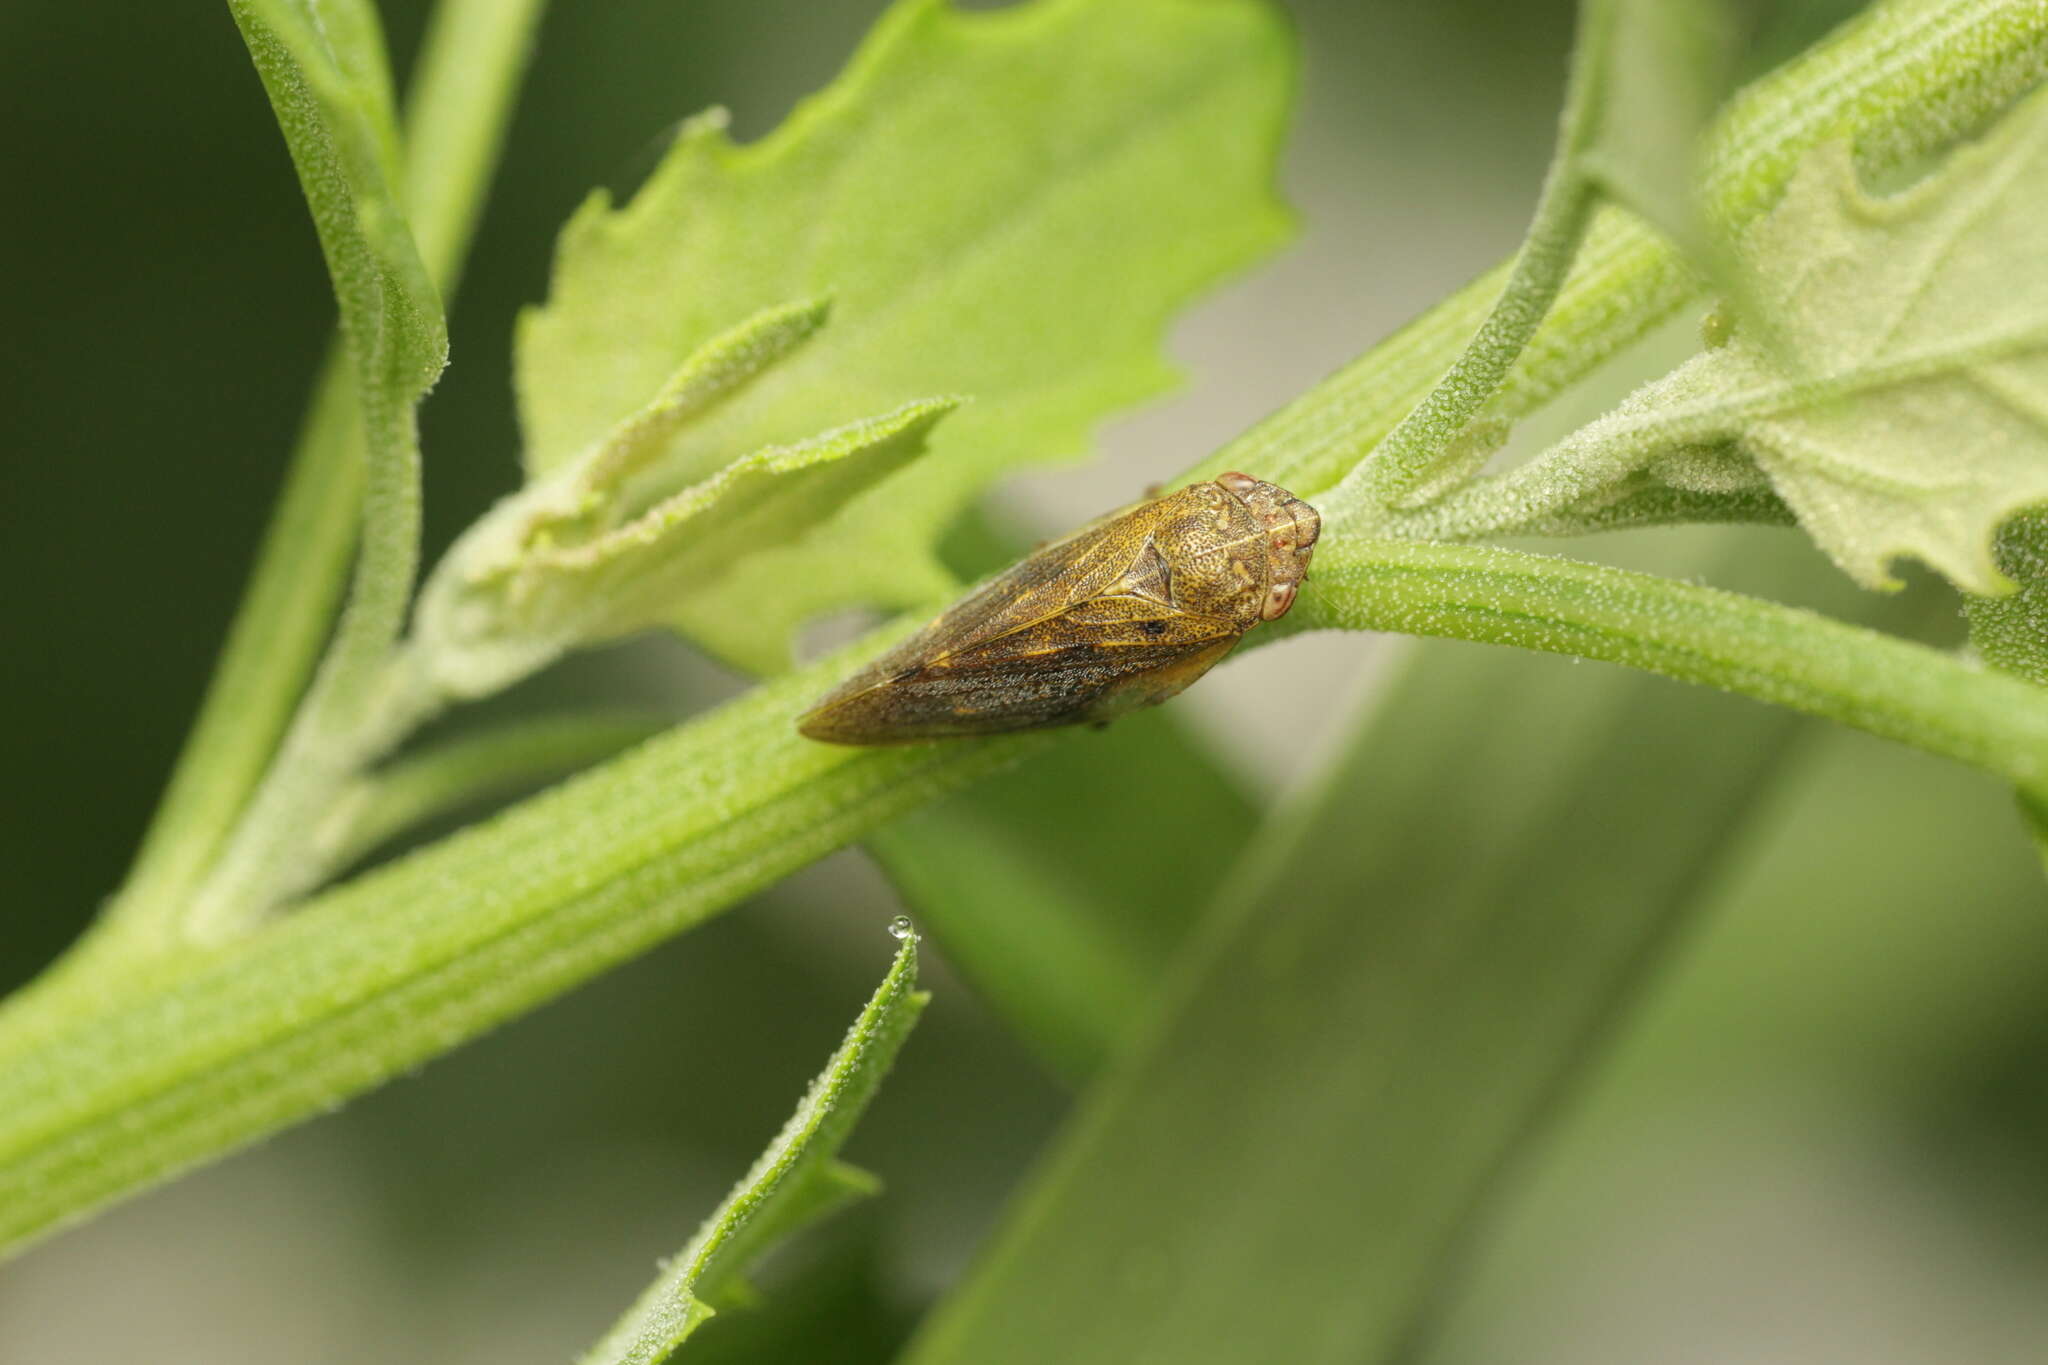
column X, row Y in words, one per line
column 901, row 927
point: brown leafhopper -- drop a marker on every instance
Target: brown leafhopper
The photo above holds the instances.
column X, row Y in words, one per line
column 1124, row 613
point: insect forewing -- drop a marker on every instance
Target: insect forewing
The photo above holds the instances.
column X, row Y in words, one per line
column 1081, row 664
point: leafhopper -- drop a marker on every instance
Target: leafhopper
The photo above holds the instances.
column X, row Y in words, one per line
column 1122, row 614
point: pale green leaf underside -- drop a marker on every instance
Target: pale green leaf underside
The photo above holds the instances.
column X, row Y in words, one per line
column 797, row 1180
column 1911, row 416
column 1006, row 205
column 1924, row 319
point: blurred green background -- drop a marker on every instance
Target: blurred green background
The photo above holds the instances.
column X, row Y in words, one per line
column 1820, row 1140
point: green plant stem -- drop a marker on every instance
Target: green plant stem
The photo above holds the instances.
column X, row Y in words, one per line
column 269, row 654
column 1776, row 654
column 104, row 1091
column 365, row 700
column 471, row 61
column 496, row 760
column 459, row 106
column 1414, row 449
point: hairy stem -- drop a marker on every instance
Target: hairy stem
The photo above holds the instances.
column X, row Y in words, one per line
column 104, row 1091
column 458, row 108
column 1781, row 655
column 1411, row 452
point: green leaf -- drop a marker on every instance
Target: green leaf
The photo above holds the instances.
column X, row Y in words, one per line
column 796, row 1180
column 1006, row 205
column 581, row 557
column 2011, row 631
column 1061, row 889
column 1925, row 317
column 1913, row 419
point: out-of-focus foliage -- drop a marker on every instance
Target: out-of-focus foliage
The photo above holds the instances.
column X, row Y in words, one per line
column 1063, row 889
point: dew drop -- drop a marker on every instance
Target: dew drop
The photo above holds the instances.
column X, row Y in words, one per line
column 901, row 927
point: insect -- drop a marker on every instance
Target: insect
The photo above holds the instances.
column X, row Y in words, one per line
column 1124, row 613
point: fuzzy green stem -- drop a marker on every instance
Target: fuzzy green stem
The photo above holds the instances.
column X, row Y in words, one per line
column 276, row 635
column 102, row 1092
column 202, row 1054
column 346, row 726
column 1413, row 450
column 459, row 105
column 1781, row 655
column 494, row 761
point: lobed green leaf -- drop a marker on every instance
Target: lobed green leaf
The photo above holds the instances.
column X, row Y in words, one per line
column 1917, row 420
column 1005, row 205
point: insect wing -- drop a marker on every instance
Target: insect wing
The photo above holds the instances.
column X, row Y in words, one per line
column 1093, row 661
column 1093, row 562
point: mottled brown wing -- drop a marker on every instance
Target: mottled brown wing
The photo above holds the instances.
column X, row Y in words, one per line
column 1093, row 661
column 1090, row 563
